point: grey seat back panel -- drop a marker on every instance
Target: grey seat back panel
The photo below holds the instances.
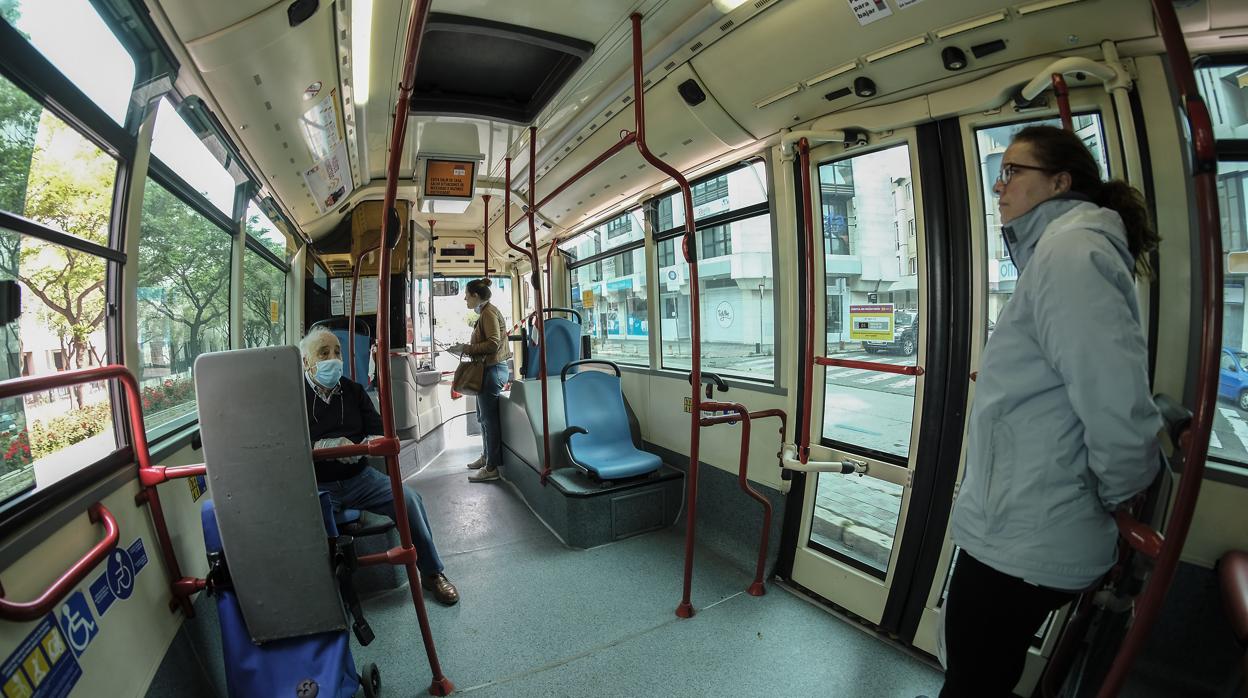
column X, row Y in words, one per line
column 258, row 452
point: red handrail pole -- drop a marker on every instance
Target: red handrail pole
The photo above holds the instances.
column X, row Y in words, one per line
column 138, row 438
column 440, row 685
column 1197, row 445
column 537, row 295
column 355, row 285
column 627, row 138
column 685, row 609
column 808, row 366
column 1063, row 101
column 1140, row 537
column 21, row 611
column 870, row 366
column 485, row 232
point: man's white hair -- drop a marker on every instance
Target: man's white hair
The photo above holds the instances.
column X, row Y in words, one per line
column 313, row 338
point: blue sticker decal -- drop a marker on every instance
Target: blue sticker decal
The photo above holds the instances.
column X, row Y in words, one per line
column 138, row 554
column 42, row 665
column 120, row 573
column 78, row 624
column 101, row 594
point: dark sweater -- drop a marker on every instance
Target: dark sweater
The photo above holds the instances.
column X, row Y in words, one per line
column 350, row 413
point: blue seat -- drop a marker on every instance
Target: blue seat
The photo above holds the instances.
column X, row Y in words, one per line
column 563, row 344
column 600, row 441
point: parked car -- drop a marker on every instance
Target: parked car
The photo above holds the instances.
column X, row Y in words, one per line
column 1233, row 377
column 905, row 335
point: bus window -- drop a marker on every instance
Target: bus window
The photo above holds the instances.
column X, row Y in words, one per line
column 177, row 146
column 52, row 175
column 992, row 142
column 264, row 302
column 263, row 231
column 735, row 267
column 184, row 301
column 106, row 76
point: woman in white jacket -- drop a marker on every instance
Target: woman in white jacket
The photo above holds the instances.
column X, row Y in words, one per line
column 1063, row 428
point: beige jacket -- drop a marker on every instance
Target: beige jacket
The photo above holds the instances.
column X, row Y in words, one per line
column 489, row 337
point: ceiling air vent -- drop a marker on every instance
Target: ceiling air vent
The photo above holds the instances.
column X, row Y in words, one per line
column 695, row 47
column 645, row 84
column 670, row 65
column 608, row 115
column 761, row 4
column 726, row 26
column 1041, row 6
column 687, row 141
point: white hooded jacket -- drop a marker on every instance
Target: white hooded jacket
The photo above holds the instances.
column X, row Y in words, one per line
column 1063, row 428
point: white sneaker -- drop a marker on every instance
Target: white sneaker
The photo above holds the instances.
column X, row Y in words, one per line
column 478, row 463
column 484, row 475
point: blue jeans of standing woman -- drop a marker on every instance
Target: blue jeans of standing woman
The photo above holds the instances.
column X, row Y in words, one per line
column 487, row 414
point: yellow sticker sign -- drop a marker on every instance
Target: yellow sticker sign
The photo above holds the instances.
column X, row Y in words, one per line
column 274, row 311
column 871, row 323
column 587, row 299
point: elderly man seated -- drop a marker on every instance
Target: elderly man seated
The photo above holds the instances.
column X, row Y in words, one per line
column 340, row 413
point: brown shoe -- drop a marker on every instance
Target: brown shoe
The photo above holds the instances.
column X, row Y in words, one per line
column 441, row 587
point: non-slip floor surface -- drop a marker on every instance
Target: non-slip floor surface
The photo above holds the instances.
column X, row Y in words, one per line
column 540, row 619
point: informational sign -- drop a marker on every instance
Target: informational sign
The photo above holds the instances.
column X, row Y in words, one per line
column 904, row 4
column 449, row 178
column 274, row 311
column 117, row 581
column 329, row 180
column 587, row 298
column 1002, row 270
column 710, row 208
column 42, row 665
column 198, row 485
column 320, row 126
column 871, row 323
column 707, row 413
column 674, row 277
column 868, row 11
column 365, row 297
column 724, row 314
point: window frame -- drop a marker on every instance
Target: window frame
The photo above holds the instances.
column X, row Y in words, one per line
column 766, row 207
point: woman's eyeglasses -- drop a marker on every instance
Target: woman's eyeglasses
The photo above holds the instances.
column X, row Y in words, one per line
column 1008, row 171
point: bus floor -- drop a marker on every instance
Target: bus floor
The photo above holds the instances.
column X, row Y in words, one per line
column 537, row 618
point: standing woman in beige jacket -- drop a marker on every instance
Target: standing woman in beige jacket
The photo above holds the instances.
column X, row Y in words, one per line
column 488, row 344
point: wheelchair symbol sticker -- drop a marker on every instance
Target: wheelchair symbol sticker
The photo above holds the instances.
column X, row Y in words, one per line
column 120, row 573
column 77, row 622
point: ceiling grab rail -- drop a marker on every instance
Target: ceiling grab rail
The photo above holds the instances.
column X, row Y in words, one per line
column 23, row 611
column 485, row 235
column 756, row 588
column 1195, row 442
column 149, row 475
column 388, row 445
column 535, row 276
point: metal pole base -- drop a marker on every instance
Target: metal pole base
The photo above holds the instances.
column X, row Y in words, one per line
column 441, row 686
column 684, row 610
column 756, row 589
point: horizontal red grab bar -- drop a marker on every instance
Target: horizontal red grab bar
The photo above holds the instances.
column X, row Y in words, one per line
column 157, row 474
column 376, row 447
column 871, row 366
column 1139, row 536
column 20, row 611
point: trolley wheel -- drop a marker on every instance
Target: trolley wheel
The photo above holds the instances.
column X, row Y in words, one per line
column 370, row 679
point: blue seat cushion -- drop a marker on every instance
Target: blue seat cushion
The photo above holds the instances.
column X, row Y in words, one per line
column 611, row 460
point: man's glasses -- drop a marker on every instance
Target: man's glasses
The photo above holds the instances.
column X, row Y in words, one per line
column 1008, row 171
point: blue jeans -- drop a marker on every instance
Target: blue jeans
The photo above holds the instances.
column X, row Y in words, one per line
column 370, row 491
column 487, row 414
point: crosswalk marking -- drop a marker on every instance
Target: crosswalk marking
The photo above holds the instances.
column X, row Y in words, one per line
column 1214, row 441
column 877, row 378
column 845, row 374
column 903, row 383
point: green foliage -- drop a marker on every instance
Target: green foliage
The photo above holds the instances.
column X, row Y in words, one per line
column 184, row 262
column 170, row 393
column 70, row 428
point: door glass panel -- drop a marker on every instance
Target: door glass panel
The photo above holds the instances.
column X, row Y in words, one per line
column 871, row 261
column 1229, row 439
column 857, row 517
column 992, row 142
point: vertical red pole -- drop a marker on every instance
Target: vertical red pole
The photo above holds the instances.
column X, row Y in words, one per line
column 808, row 350
column 441, row 685
column 1196, row 444
column 537, row 294
column 485, row 232
column 1063, row 101
column 685, row 609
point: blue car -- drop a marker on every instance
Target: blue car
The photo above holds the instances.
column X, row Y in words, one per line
column 1233, row 377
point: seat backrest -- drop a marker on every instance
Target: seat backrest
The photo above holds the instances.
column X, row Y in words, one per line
column 594, row 401
column 260, row 476
column 363, row 343
column 563, row 346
